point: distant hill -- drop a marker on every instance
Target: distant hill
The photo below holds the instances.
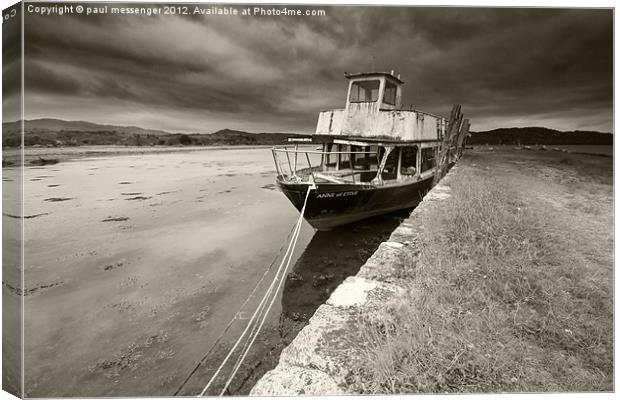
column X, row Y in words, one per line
column 537, row 135
column 56, row 125
column 54, row 132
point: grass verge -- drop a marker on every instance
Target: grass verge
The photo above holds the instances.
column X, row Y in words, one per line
column 504, row 298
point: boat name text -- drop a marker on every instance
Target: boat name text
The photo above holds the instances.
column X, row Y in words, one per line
column 336, row 194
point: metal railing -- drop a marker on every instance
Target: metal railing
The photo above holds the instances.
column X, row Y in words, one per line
column 306, row 172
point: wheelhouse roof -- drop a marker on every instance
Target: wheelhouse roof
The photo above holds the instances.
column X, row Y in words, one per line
column 372, row 74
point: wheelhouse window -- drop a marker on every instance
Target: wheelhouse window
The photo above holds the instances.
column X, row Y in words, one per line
column 408, row 161
column 364, row 91
column 428, row 159
column 390, row 93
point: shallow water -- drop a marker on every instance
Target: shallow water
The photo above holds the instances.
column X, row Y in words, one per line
column 135, row 265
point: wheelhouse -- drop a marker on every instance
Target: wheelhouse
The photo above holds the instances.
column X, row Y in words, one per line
column 381, row 90
column 374, row 109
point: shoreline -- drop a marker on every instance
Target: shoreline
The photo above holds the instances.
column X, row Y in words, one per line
column 55, row 155
column 35, row 156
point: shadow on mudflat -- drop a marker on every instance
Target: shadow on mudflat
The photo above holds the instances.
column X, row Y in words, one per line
column 330, row 258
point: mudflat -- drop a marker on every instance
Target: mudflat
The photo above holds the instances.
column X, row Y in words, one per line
column 135, row 263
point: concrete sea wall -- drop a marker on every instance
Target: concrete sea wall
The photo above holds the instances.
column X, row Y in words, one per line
column 323, row 355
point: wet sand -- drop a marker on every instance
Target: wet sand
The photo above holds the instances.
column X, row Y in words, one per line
column 329, row 258
column 135, row 264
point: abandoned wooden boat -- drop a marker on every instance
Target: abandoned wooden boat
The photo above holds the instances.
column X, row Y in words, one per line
column 369, row 158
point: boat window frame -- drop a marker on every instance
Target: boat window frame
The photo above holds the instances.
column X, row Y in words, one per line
column 367, row 156
column 387, row 152
column 389, row 85
column 359, row 81
column 433, row 159
column 417, row 162
column 330, row 157
column 344, row 156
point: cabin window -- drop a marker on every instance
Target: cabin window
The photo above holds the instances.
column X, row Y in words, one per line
column 390, row 94
column 408, row 160
column 368, row 159
column 364, row 91
column 345, row 158
column 391, row 166
column 428, row 158
column 329, row 161
column 357, row 160
column 374, row 156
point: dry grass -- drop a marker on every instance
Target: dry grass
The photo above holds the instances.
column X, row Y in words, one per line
column 505, row 297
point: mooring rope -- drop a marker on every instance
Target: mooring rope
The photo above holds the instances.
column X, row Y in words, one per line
column 254, row 334
column 235, row 317
column 273, row 298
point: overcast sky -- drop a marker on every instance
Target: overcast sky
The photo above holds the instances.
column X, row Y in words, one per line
column 507, row 67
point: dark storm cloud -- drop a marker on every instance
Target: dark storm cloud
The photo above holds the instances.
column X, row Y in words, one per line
column 545, row 66
column 44, row 80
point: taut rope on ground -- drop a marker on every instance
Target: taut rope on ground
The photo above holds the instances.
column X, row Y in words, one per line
column 261, row 311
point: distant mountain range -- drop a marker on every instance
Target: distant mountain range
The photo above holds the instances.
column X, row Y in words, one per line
column 537, row 135
column 56, row 132
column 57, row 125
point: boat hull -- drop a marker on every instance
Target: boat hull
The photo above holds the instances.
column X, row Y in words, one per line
column 332, row 205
